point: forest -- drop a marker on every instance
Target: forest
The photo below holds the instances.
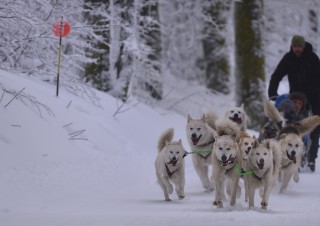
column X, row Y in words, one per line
column 147, row 49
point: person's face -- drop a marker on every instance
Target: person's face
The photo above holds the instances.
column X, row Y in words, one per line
column 297, row 50
column 297, row 105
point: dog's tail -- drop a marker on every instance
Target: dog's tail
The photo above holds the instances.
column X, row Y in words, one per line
column 306, row 125
column 226, row 127
column 271, row 111
column 211, row 117
column 165, row 137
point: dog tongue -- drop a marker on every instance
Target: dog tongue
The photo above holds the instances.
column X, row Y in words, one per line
column 294, row 159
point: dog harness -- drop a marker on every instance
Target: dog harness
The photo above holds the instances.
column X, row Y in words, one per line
column 168, row 170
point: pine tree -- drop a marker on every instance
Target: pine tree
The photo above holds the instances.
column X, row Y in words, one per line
column 216, row 54
column 97, row 71
column 249, row 72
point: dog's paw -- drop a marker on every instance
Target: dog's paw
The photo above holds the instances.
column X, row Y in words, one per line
column 181, row 196
column 264, row 205
column 167, row 199
column 170, row 189
column 296, row 177
column 219, row 204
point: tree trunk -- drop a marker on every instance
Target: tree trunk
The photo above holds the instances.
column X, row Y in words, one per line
column 249, row 71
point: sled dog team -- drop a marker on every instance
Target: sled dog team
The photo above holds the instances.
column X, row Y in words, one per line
column 224, row 144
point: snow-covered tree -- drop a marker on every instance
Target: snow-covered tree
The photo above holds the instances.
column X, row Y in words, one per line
column 96, row 17
column 249, row 71
column 216, row 54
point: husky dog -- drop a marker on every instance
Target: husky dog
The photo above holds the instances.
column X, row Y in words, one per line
column 170, row 165
column 264, row 164
column 245, row 143
column 200, row 135
column 239, row 116
column 292, row 147
column 275, row 122
column 226, row 155
column 290, row 140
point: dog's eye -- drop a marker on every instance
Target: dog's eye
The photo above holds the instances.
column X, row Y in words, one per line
column 191, row 128
column 199, row 129
column 171, row 152
column 257, row 153
column 239, row 112
column 289, row 144
column 177, row 152
column 264, row 153
column 246, row 143
column 297, row 145
column 228, row 149
column 220, row 148
column 232, row 111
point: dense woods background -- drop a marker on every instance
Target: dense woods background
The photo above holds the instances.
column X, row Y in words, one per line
column 148, row 49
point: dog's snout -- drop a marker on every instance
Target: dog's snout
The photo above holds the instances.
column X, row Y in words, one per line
column 223, row 158
column 174, row 158
column 293, row 153
column 261, row 161
column 194, row 135
column 249, row 148
column 236, row 115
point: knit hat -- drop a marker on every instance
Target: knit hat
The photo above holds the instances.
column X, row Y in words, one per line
column 297, row 40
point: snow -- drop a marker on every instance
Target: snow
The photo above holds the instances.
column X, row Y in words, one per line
column 74, row 164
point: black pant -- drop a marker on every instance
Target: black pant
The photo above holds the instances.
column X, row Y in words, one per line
column 313, row 151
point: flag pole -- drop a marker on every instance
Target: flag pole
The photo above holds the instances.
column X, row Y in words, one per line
column 59, row 57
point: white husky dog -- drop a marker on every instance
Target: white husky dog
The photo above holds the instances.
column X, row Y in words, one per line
column 239, row 116
column 170, row 165
column 245, row 143
column 264, row 164
column 290, row 140
column 200, row 135
column 226, row 155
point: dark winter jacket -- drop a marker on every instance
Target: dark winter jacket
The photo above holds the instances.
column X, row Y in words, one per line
column 303, row 75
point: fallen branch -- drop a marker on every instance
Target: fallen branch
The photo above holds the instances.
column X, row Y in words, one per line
column 14, row 98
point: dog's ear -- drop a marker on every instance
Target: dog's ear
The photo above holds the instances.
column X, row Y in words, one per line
column 255, row 143
column 203, row 118
column 282, row 136
column 189, row 118
column 267, row 143
column 242, row 106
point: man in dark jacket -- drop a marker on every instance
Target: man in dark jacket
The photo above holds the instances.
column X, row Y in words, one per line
column 302, row 66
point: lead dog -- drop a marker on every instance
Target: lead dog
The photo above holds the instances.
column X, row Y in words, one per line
column 200, row 135
column 264, row 164
column 170, row 165
column 226, row 155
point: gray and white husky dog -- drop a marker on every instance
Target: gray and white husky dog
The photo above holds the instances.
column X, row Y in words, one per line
column 170, row 165
column 225, row 158
column 200, row 135
column 274, row 124
column 264, row 164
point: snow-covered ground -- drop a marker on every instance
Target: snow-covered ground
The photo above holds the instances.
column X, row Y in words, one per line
column 67, row 162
